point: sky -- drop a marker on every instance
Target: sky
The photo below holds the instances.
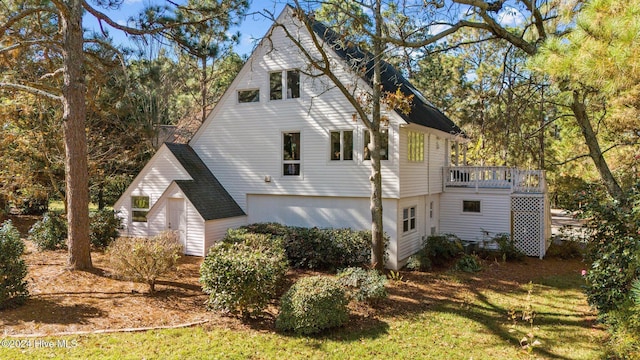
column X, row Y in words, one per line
column 253, row 27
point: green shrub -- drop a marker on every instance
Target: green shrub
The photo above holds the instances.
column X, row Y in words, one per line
column 566, row 249
column 315, row 248
column 50, row 233
column 363, row 285
column 613, row 249
column 440, row 249
column 243, row 273
column 144, row 259
column 468, row 263
column 419, row 261
column 103, row 227
column 311, row 305
column 13, row 270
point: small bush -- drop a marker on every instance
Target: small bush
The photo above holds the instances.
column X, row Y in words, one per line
column 50, row 233
column 442, row 248
column 13, row 270
column 506, row 249
column 104, row 226
column 311, row 305
column 243, row 273
column 363, row 285
column 419, row 262
column 145, row 259
column 468, row 263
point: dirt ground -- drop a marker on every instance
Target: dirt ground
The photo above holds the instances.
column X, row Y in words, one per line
column 64, row 301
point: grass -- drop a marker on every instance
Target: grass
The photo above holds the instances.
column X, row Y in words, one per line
column 474, row 325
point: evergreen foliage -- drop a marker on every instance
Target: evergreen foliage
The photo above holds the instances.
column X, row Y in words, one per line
column 13, row 270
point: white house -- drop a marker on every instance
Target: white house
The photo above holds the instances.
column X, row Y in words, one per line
column 284, row 146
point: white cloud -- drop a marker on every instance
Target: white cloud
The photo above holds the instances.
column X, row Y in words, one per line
column 511, row 17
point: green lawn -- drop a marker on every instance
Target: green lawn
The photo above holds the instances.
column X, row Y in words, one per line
column 476, row 323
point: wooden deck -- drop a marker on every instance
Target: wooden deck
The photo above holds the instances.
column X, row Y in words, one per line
column 495, row 177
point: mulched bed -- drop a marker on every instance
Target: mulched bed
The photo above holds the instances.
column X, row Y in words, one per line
column 75, row 301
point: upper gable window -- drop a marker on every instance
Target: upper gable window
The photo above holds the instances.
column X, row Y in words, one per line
column 288, row 80
column 247, row 96
column 384, row 146
column 342, row 145
column 415, row 150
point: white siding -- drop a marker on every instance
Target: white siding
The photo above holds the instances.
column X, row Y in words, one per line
column 152, row 181
column 410, row 242
column 215, row 230
column 194, row 231
column 495, row 216
column 242, row 143
column 332, row 212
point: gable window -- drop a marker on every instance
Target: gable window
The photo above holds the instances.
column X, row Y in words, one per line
column 415, row 150
column 288, row 80
column 408, row 219
column 384, row 146
column 471, row 206
column 139, row 208
column 342, row 145
column 291, row 153
column 248, row 96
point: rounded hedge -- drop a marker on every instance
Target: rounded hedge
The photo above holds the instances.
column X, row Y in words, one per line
column 243, row 277
column 313, row 304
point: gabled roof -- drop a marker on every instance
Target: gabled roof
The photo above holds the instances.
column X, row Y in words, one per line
column 422, row 112
column 205, row 192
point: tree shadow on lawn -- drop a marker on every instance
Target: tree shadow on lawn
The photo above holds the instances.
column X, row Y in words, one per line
column 50, row 312
column 464, row 295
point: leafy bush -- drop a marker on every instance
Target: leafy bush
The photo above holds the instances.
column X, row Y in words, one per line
column 507, row 250
column 13, row 270
column 363, row 285
column 103, row 227
column 315, row 248
column 468, row 263
column 419, row 262
column 50, row 233
column 311, row 305
column 613, row 249
column 145, row 259
column 442, row 248
column 242, row 274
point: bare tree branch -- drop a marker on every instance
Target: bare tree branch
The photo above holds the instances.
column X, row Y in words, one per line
column 30, row 90
column 12, row 20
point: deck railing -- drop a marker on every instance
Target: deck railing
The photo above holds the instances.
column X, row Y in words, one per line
column 496, row 177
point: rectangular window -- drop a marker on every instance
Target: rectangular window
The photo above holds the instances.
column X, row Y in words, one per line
column 248, row 96
column 139, row 208
column 471, row 206
column 291, row 153
column 275, row 85
column 384, row 146
column 415, row 146
column 431, row 210
column 342, row 145
column 293, row 84
column 290, row 79
column 408, row 219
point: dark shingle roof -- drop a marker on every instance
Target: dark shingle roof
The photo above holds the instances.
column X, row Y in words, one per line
column 205, row 191
column 422, row 112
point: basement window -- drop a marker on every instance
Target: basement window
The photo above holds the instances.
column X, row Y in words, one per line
column 471, row 206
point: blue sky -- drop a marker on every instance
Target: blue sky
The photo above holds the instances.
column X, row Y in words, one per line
column 253, row 27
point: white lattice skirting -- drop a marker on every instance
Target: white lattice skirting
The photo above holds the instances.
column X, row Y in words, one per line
column 531, row 223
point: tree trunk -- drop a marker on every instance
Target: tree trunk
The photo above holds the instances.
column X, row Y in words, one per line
column 75, row 139
column 595, row 152
column 377, row 232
